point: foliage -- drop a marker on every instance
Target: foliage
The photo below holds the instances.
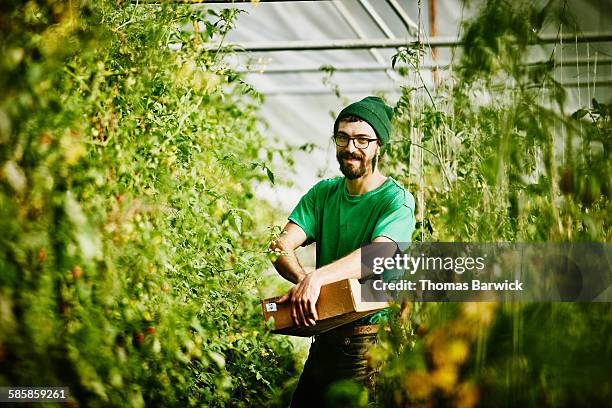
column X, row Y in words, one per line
column 130, row 251
column 493, row 156
column 504, row 163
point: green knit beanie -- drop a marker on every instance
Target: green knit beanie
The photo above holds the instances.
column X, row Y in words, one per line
column 373, row 110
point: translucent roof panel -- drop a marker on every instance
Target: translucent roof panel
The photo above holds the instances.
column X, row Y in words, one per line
column 299, row 99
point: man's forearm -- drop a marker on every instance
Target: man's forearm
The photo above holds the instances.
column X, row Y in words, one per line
column 289, row 267
column 348, row 267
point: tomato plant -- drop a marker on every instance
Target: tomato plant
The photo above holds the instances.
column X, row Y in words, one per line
column 131, row 252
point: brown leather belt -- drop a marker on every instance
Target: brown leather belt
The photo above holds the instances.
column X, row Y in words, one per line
column 353, row 330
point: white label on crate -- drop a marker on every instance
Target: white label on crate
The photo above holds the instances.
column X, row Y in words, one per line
column 270, row 307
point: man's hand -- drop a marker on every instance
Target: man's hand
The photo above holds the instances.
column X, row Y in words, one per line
column 304, row 295
column 303, row 298
column 287, row 265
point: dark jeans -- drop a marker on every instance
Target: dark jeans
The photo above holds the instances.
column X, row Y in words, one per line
column 332, row 358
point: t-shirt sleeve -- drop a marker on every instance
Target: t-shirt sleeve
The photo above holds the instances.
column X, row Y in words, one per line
column 304, row 214
column 398, row 221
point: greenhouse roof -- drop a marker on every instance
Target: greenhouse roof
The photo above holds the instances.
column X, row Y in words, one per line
column 286, row 50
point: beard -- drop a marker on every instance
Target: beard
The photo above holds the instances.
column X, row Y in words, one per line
column 352, row 171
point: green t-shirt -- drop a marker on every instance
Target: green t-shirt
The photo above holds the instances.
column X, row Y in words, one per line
column 340, row 223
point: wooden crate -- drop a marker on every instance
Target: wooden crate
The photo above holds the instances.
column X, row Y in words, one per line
column 339, row 303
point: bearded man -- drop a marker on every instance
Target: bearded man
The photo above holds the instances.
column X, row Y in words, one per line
column 341, row 214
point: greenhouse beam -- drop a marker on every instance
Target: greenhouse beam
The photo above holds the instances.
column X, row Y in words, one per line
column 348, row 17
column 299, row 69
column 390, row 43
column 390, row 89
column 377, row 18
column 380, row 23
column 410, row 25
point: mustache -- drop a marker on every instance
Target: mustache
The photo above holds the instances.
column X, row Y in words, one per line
column 349, row 155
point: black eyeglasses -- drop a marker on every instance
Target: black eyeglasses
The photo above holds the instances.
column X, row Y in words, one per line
column 358, row 142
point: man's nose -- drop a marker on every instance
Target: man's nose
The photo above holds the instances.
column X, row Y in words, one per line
column 351, row 146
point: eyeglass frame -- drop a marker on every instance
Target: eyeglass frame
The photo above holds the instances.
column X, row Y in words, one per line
column 348, row 141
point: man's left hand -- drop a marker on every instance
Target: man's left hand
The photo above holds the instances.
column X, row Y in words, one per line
column 303, row 297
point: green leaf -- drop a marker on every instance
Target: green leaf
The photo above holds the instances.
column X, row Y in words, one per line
column 579, row 113
column 270, row 175
column 596, row 104
column 329, row 69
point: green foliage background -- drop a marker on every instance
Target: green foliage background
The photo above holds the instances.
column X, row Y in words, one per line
column 498, row 158
column 131, row 244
